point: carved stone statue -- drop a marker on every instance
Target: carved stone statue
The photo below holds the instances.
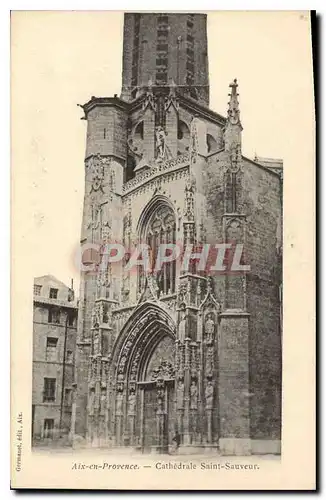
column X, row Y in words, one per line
column 132, row 403
column 165, row 370
column 160, row 142
column 209, row 361
column 180, row 393
column 160, row 400
column 193, row 395
column 209, row 394
column 182, row 326
column 209, row 330
column 163, row 151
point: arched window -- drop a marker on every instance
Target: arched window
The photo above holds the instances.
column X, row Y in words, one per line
column 160, row 229
column 211, row 144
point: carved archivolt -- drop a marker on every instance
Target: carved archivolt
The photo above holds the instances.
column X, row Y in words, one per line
column 156, row 170
column 146, row 326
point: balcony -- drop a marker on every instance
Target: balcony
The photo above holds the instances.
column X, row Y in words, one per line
column 55, row 302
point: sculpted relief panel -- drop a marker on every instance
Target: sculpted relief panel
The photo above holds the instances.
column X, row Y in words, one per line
column 162, row 361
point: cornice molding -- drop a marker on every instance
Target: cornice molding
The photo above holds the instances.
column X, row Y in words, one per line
column 114, row 102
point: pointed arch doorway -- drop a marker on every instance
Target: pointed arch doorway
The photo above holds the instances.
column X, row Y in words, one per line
column 145, row 415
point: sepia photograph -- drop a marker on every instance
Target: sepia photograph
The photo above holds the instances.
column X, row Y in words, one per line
column 154, row 212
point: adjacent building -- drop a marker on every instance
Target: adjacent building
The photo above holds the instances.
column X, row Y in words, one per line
column 54, row 343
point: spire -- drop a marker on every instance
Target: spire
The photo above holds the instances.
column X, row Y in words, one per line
column 233, row 127
column 233, row 110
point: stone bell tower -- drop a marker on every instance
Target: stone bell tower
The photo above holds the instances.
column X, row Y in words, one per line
column 177, row 349
column 161, row 48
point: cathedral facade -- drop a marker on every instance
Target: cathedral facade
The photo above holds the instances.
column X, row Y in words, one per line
column 177, row 349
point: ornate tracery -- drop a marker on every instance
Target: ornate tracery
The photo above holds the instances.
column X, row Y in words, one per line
column 160, row 229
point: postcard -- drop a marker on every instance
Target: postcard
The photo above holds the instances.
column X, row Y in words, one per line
column 163, row 305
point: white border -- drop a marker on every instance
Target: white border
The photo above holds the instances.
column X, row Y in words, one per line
column 5, row 172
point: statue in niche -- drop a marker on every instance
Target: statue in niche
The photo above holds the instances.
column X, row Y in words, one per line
column 160, row 142
column 209, row 361
column 180, row 393
column 193, row 395
column 160, row 399
column 163, row 151
column 182, row 326
column 132, row 402
column 209, row 394
column 209, row 329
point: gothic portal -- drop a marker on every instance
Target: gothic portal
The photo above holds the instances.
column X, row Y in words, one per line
column 170, row 350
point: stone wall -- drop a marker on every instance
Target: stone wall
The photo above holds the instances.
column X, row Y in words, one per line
column 262, row 203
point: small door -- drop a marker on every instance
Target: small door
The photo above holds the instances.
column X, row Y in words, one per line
column 48, row 428
column 158, row 431
column 150, row 422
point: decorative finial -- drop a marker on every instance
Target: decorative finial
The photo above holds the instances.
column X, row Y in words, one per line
column 234, row 83
column 233, row 128
column 233, row 110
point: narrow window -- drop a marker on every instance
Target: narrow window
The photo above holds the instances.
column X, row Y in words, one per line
column 69, row 356
column 51, row 349
column 37, row 289
column 71, row 319
column 67, row 398
column 49, row 390
column 53, row 293
column 231, row 192
column 160, row 229
column 54, row 315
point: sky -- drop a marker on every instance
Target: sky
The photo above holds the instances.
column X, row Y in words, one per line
column 61, row 59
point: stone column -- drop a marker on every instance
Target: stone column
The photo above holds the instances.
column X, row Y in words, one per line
column 97, row 399
column 132, row 415
column 186, row 434
column 73, row 413
column 160, row 415
column 209, row 398
column 119, row 418
column 234, row 384
column 141, row 437
column 209, row 426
